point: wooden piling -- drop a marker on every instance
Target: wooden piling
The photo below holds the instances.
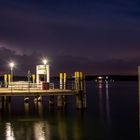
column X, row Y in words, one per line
column 39, row 98
column 61, row 100
column 78, row 101
column 26, row 99
column 26, row 108
column 83, row 89
column 9, row 79
column 5, row 80
column 65, row 87
column 61, row 80
column 51, row 100
column 80, row 89
column 33, row 78
column 65, row 81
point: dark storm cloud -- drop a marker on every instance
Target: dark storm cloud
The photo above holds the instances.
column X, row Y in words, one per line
column 100, row 32
column 23, row 62
column 65, row 63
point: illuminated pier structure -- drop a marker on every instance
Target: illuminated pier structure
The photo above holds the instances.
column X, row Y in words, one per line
column 27, row 89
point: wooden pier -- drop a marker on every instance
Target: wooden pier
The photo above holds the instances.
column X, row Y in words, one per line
column 33, row 92
column 61, row 93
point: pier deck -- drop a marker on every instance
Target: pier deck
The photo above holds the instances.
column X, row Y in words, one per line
column 33, row 92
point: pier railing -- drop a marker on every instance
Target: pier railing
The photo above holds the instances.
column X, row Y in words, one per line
column 26, row 86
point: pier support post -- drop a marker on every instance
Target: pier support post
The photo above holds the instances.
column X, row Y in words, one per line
column 62, row 100
column 8, row 99
column 5, row 80
column 26, row 99
column 84, row 101
column 61, row 81
column 9, row 79
column 65, row 81
column 59, row 101
column 84, row 95
column 60, row 97
column 5, row 103
column 79, row 101
column 33, row 78
column 37, row 98
column 80, row 90
column 51, row 100
column 65, row 87
column 26, row 108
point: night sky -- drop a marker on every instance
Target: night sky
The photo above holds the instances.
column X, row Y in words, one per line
column 94, row 36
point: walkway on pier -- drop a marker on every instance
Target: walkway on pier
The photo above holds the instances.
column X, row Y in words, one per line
column 32, row 92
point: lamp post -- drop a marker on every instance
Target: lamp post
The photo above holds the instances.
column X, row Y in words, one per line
column 45, row 65
column 29, row 76
column 11, row 64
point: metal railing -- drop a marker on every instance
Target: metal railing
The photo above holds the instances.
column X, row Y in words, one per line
column 27, row 86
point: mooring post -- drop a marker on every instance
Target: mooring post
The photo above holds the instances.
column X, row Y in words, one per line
column 5, row 80
column 65, row 87
column 9, row 79
column 65, row 81
column 83, row 91
column 33, row 78
column 61, row 81
column 80, row 90
column 139, row 94
column 76, row 81
column 60, row 97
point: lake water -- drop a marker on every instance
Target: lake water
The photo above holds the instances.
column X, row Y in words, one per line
column 112, row 113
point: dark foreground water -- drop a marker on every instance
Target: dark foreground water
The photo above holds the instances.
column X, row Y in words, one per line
column 112, row 113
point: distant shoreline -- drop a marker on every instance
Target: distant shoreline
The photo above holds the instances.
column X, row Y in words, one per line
column 114, row 77
column 87, row 77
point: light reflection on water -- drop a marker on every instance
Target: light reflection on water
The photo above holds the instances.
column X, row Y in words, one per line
column 107, row 104
column 37, row 121
column 61, row 126
column 41, row 131
column 104, row 109
column 100, row 86
column 9, row 132
column 53, row 125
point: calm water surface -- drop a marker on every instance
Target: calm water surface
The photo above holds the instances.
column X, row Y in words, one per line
column 112, row 113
